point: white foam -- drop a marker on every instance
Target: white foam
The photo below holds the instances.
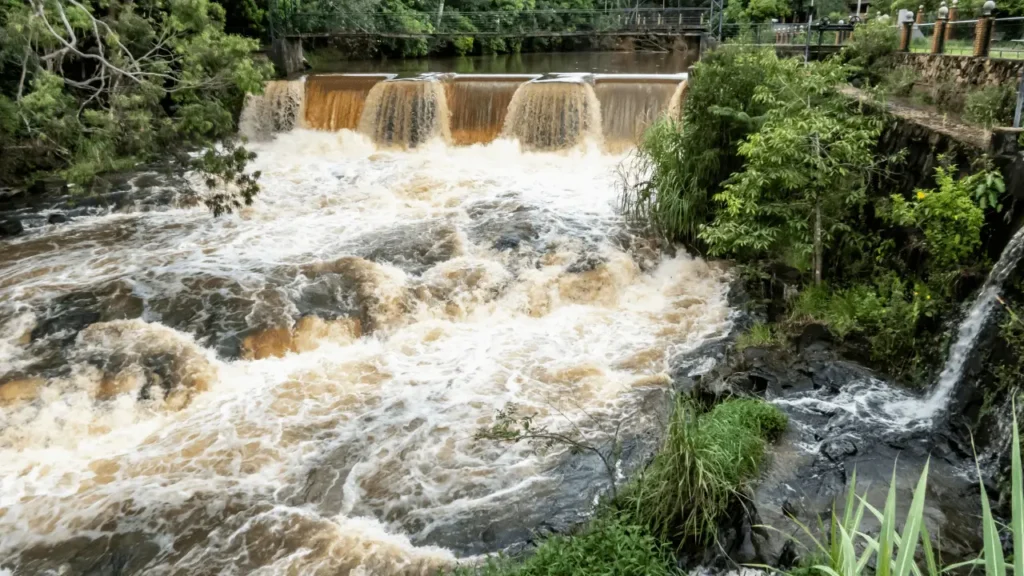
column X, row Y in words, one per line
column 395, row 411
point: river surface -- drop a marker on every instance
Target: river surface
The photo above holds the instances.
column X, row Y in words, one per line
column 295, row 389
column 670, row 62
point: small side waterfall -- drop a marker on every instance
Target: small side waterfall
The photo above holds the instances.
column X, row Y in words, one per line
column 675, row 104
column 629, row 104
column 478, row 105
column 406, row 113
column 278, row 109
column 553, row 114
column 335, row 102
column 972, row 325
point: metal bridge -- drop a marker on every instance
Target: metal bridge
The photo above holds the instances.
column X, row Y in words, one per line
column 450, row 24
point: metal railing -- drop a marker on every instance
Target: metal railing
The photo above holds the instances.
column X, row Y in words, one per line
column 319, row 21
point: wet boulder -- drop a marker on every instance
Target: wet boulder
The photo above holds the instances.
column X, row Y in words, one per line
column 411, row 247
column 148, row 361
column 11, row 227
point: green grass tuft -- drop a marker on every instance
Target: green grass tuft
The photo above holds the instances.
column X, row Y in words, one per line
column 707, row 458
column 609, row 547
column 759, row 335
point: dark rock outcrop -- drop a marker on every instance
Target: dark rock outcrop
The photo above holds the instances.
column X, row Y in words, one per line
column 840, row 424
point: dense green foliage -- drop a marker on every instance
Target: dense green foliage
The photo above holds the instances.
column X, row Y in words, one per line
column 908, row 288
column 948, row 218
column 806, row 168
column 707, row 459
column 781, row 167
column 608, row 547
column 679, row 166
column 867, row 53
column 87, row 88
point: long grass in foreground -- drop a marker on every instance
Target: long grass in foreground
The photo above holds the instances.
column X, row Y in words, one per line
column 895, row 553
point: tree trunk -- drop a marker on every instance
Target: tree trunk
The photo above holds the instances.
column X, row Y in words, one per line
column 817, row 241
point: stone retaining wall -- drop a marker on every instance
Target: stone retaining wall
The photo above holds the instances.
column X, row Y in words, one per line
column 966, row 71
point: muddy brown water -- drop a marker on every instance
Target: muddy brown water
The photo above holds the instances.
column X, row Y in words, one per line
column 296, row 388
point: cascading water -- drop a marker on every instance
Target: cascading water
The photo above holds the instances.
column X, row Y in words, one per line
column 630, row 103
column 972, row 325
column 406, row 113
column 478, row 105
column 278, row 109
column 551, row 114
column 295, row 389
column 335, row 101
column 678, row 100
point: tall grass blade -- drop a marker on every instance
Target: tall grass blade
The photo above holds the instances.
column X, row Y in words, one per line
column 992, row 547
column 912, row 527
column 1017, row 495
column 887, row 533
column 848, row 558
column 851, row 495
column 929, row 554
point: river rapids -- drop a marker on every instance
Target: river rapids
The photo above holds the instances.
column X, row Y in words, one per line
column 296, row 388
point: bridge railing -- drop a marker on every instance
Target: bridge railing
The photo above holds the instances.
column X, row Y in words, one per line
column 321, row 19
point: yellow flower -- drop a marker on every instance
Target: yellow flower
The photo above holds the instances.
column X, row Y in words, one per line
column 929, row 297
column 920, row 195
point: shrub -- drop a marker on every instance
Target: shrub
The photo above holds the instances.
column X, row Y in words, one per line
column 900, row 81
column 948, row 217
column 705, row 461
column 872, row 44
column 608, row 546
column 991, row 106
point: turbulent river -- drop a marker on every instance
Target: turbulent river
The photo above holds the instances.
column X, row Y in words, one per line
column 296, row 388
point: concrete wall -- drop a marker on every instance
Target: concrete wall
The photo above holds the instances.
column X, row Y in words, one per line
column 966, row 71
column 287, row 56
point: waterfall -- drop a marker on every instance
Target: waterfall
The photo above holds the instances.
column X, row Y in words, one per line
column 972, row 325
column 335, row 102
column 478, row 104
column 278, row 109
column 406, row 113
column 553, row 114
column 543, row 113
column 629, row 104
column 675, row 104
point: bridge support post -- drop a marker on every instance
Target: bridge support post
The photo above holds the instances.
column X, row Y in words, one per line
column 287, row 56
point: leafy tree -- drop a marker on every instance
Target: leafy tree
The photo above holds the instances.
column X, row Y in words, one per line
column 807, row 167
column 89, row 91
